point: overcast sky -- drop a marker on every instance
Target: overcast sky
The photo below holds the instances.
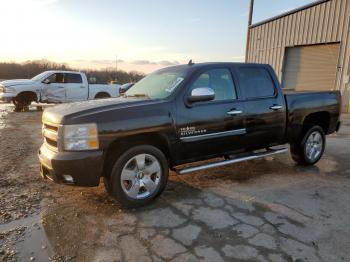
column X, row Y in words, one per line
column 143, row 34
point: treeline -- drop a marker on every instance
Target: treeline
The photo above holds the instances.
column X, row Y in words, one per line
column 33, row 68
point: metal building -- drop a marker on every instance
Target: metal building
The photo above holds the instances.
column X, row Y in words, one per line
column 308, row 47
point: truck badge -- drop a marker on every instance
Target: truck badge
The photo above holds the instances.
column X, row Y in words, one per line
column 191, row 130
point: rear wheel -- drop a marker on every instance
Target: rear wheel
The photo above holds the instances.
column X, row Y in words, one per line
column 309, row 150
column 138, row 176
column 102, row 95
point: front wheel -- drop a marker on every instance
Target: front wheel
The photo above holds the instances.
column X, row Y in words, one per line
column 138, row 176
column 311, row 147
column 21, row 103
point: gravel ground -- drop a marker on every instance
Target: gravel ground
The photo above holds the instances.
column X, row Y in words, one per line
column 263, row 210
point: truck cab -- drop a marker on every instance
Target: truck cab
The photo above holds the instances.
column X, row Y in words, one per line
column 64, row 87
column 235, row 119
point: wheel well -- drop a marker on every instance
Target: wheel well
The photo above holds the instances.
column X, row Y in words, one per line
column 321, row 119
column 102, row 94
column 119, row 146
column 28, row 95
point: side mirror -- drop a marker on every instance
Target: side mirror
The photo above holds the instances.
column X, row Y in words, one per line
column 201, row 94
column 46, row 81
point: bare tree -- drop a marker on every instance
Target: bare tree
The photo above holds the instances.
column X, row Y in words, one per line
column 29, row 69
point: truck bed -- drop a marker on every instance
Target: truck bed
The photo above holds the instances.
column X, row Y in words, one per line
column 304, row 103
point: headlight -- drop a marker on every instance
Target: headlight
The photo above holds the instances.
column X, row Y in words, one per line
column 4, row 89
column 9, row 90
column 80, row 137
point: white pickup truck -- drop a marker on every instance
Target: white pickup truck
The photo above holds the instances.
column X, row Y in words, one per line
column 53, row 87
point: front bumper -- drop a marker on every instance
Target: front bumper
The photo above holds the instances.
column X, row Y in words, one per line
column 6, row 97
column 85, row 168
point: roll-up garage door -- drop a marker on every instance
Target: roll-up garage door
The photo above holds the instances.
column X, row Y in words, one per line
column 312, row 67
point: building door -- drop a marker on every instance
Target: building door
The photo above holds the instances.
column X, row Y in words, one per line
column 312, row 67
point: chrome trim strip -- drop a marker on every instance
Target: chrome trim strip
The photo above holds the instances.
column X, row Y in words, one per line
column 46, row 122
column 233, row 161
column 50, row 134
column 276, row 107
column 235, row 132
column 234, row 112
column 50, row 147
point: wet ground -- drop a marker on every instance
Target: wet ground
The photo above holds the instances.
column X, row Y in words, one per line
column 263, row 210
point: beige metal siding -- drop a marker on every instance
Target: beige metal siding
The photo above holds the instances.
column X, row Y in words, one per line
column 311, row 67
column 326, row 22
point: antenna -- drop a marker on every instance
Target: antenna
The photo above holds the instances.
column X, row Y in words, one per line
column 190, row 62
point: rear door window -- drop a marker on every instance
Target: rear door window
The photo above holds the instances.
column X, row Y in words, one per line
column 73, row 79
column 256, row 82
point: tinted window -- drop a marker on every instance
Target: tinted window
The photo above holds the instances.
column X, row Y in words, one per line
column 256, row 82
column 56, row 78
column 220, row 80
column 73, row 78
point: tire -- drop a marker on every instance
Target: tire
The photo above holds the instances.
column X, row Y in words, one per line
column 138, row 176
column 21, row 103
column 310, row 148
column 102, row 96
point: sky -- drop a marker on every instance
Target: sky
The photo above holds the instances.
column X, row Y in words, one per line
column 142, row 35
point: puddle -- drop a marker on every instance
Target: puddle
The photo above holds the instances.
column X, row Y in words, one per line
column 25, row 222
column 33, row 243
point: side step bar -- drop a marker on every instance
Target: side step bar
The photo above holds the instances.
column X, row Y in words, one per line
column 252, row 156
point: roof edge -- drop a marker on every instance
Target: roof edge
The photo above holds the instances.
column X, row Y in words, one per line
column 293, row 11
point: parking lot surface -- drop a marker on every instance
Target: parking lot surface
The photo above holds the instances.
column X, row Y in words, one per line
column 262, row 210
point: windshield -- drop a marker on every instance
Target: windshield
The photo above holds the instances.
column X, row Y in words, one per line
column 158, row 85
column 39, row 76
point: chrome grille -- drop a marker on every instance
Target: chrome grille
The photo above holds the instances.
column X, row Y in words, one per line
column 50, row 134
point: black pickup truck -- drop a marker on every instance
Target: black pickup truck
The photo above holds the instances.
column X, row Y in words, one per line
column 180, row 115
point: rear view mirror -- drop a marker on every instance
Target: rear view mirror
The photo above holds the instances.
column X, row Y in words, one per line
column 201, row 94
column 46, row 81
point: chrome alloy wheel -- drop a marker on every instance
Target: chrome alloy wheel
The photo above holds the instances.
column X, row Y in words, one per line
column 141, row 176
column 314, row 145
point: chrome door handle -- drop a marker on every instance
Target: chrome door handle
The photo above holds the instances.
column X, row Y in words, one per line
column 60, row 86
column 234, row 112
column 82, row 87
column 276, row 107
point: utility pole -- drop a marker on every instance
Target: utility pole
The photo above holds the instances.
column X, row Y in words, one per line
column 116, row 67
column 250, row 19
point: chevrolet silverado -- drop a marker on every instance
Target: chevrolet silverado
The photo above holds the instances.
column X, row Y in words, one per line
column 179, row 115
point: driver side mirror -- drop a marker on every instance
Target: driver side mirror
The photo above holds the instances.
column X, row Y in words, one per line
column 201, row 94
column 46, row 81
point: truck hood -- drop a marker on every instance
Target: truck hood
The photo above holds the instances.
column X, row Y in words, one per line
column 16, row 82
column 58, row 114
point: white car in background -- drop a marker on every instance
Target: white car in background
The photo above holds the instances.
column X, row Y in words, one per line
column 54, row 87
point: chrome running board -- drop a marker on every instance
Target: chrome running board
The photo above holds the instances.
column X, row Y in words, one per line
column 252, row 156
